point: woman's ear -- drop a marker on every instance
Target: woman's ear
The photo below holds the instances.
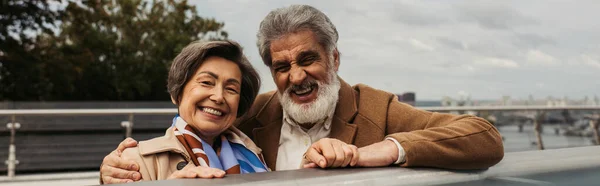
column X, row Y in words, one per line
column 173, row 100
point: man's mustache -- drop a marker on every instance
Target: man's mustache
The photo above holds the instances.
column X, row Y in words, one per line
column 305, row 84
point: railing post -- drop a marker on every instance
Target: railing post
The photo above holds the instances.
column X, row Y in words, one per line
column 594, row 125
column 128, row 125
column 12, row 161
column 537, row 126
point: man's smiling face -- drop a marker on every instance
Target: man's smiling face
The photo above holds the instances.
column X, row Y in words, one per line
column 305, row 75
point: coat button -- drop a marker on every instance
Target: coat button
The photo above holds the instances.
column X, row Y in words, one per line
column 181, row 165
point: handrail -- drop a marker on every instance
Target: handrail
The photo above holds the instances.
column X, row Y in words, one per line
column 28, row 112
column 510, row 108
column 128, row 125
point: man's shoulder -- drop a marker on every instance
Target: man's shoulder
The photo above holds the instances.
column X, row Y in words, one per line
column 259, row 103
column 377, row 104
column 263, row 98
column 367, row 93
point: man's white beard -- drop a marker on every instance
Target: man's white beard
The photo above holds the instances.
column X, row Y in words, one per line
column 317, row 110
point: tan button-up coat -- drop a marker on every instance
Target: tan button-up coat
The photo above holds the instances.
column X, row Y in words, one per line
column 159, row 157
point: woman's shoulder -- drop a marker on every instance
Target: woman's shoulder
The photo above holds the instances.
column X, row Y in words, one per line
column 155, row 145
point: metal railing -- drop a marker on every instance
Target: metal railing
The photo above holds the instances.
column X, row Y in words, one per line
column 14, row 125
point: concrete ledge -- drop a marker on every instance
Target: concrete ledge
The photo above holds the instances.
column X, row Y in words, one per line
column 511, row 170
column 52, row 176
column 518, row 168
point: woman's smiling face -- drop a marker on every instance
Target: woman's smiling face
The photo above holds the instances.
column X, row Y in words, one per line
column 210, row 99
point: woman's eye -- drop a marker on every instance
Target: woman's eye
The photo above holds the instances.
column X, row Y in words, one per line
column 232, row 90
column 206, row 83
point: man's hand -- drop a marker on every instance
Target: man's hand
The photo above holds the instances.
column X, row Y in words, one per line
column 332, row 153
column 378, row 154
column 192, row 171
column 115, row 169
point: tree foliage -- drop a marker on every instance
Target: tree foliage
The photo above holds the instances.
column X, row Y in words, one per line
column 21, row 21
column 113, row 50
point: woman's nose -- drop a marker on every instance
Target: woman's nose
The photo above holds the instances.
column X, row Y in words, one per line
column 217, row 95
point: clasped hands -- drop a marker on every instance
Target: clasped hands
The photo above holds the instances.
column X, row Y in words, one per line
column 333, row 153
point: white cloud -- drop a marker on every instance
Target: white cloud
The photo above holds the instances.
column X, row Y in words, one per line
column 420, row 45
column 470, row 68
column 541, row 58
column 540, row 85
column 589, row 60
column 497, row 62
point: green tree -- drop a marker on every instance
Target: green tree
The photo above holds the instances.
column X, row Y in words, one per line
column 21, row 21
column 117, row 50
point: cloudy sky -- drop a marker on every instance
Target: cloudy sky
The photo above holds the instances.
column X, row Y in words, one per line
column 436, row 48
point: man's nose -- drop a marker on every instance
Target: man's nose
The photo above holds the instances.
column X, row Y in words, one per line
column 297, row 75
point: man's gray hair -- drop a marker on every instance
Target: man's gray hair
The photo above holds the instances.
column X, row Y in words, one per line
column 294, row 18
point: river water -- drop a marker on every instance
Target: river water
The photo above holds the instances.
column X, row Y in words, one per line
column 523, row 141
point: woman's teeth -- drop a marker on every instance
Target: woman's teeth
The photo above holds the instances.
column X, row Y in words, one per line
column 212, row 111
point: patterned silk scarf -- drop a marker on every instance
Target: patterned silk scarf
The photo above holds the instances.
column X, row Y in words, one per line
column 232, row 156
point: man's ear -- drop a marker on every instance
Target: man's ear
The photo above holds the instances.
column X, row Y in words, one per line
column 336, row 59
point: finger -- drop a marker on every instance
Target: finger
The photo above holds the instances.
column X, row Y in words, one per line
column 348, row 155
column 126, row 143
column 339, row 154
column 111, row 180
column 182, row 174
column 313, row 155
column 310, row 165
column 207, row 172
column 328, row 152
column 121, row 173
column 121, row 163
column 112, row 160
column 355, row 155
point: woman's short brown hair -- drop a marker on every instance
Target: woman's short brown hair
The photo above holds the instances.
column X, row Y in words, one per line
column 192, row 56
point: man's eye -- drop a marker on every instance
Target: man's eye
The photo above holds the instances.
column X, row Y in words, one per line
column 282, row 68
column 307, row 61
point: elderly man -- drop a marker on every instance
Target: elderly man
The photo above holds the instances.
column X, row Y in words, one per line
column 315, row 119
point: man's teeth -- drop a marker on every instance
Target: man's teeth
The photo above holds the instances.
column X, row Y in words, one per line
column 212, row 111
column 303, row 91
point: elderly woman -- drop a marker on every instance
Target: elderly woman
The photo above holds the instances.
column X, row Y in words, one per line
column 212, row 84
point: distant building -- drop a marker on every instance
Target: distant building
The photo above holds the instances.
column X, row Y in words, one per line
column 408, row 98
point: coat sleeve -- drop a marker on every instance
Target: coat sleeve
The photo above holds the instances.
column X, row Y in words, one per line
column 443, row 140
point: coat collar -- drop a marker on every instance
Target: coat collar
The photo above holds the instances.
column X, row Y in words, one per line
column 170, row 143
column 270, row 118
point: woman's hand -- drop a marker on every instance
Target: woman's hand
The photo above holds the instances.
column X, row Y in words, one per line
column 192, row 171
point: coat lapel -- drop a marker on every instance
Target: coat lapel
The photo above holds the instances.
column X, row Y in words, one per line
column 345, row 111
column 267, row 137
